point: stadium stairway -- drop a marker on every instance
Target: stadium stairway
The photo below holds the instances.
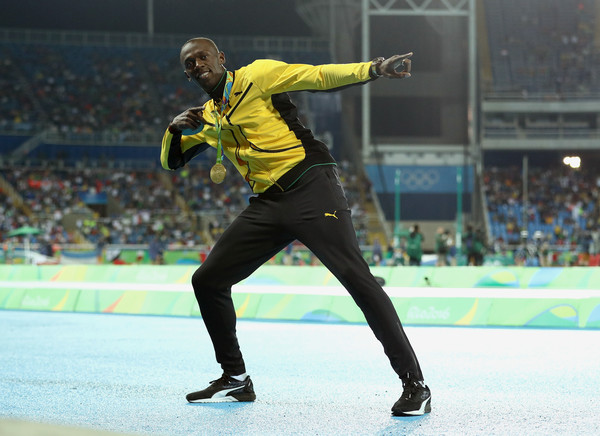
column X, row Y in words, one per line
column 375, row 221
column 15, row 197
column 17, row 200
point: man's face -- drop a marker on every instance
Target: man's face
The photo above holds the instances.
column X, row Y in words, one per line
column 202, row 63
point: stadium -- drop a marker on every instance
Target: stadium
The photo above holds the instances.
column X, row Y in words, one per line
column 473, row 189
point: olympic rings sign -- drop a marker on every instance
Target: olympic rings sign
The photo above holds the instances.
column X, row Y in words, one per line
column 419, row 179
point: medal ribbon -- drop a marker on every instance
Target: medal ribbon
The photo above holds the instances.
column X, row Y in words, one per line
column 218, row 114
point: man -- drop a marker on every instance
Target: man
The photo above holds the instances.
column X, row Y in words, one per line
column 474, row 247
column 414, row 245
column 441, row 246
column 251, row 120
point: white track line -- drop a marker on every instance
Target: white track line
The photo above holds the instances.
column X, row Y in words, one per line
column 412, row 292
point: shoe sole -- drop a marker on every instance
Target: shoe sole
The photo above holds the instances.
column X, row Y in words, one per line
column 425, row 408
column 226, row 399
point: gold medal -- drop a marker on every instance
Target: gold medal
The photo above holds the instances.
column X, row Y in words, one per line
column 217, row 173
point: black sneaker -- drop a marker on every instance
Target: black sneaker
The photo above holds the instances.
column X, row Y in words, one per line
column 415, row 400
column 225, row 389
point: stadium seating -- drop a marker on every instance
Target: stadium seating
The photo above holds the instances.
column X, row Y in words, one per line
column 82, row 89
column 563, row 207
column 131, row 206
column 542, row 46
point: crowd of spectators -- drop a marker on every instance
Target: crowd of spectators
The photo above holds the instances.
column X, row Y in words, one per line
column 77, row 89
column 17, row 109
column 136, row 207
column 74, row 90
column 543, row 46
column 562, row 213
column 134, row 204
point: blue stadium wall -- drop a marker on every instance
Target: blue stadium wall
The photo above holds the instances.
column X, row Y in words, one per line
column 426, row 192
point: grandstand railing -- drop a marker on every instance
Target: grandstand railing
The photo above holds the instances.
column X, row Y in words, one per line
column 255, row 43
column 125, row 164
column 103, row 137
column 548, row 133
column 540, row 96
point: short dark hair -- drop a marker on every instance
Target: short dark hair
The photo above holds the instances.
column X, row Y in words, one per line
column 201, row 38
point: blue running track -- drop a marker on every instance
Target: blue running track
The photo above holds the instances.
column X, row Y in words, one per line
column 130, row 374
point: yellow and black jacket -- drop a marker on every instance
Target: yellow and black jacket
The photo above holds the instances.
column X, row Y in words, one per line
column 261, row 134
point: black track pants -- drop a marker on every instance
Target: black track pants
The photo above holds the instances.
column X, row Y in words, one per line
column 314, row 211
